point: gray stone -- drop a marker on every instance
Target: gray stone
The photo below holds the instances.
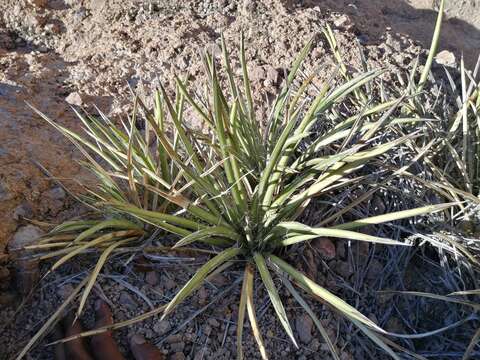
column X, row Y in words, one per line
column 202, row 295
column 342, row 21
column 445, row 58
column 151, row 277
column 219, row 280
column 65, row 291
column 127, row 300
column 177, row 347
column 43, row 49
column 53, row 28
column 257, row 73
column 213, row 322
column 272, row 75
column 172, row 339
column 56, row 193
column 26, row 235
column 162, row 327
column 167, row 283
column 5, row 193
column 74, row 99
column 304, row 325
column 80, row 14
column 24, row 210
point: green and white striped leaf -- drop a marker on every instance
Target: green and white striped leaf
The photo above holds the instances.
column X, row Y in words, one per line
column 197, row 279
column 312, row 287
column 297, row 232
column 273, row 294
column 398, row 215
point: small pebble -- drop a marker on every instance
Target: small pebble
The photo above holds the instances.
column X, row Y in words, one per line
column 65, row 291
column 74, row 99
column 304, row 325
column 5, row 194
column 162, row 327
column 56, row 193
column 127, row 300
column 167, row 283
column 174, row 338
column 445, row 58
column 178, row 356
column 177, row 347
column 26, row 235
column 213, row 322
column 24, row 210
column 151, row 277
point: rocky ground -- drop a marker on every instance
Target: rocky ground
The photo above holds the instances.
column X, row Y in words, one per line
column 55, row 54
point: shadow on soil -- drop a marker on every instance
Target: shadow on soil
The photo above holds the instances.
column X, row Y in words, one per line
column 373, row 18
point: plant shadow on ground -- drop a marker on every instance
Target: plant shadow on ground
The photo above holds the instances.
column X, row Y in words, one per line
column 373, row 18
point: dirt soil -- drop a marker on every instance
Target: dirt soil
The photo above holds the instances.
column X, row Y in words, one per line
column 55, row 54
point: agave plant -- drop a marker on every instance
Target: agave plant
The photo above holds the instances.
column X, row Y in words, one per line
column 240, row 187
column 119, row 158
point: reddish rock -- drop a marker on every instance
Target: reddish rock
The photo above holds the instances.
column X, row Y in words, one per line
column 325, row 247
